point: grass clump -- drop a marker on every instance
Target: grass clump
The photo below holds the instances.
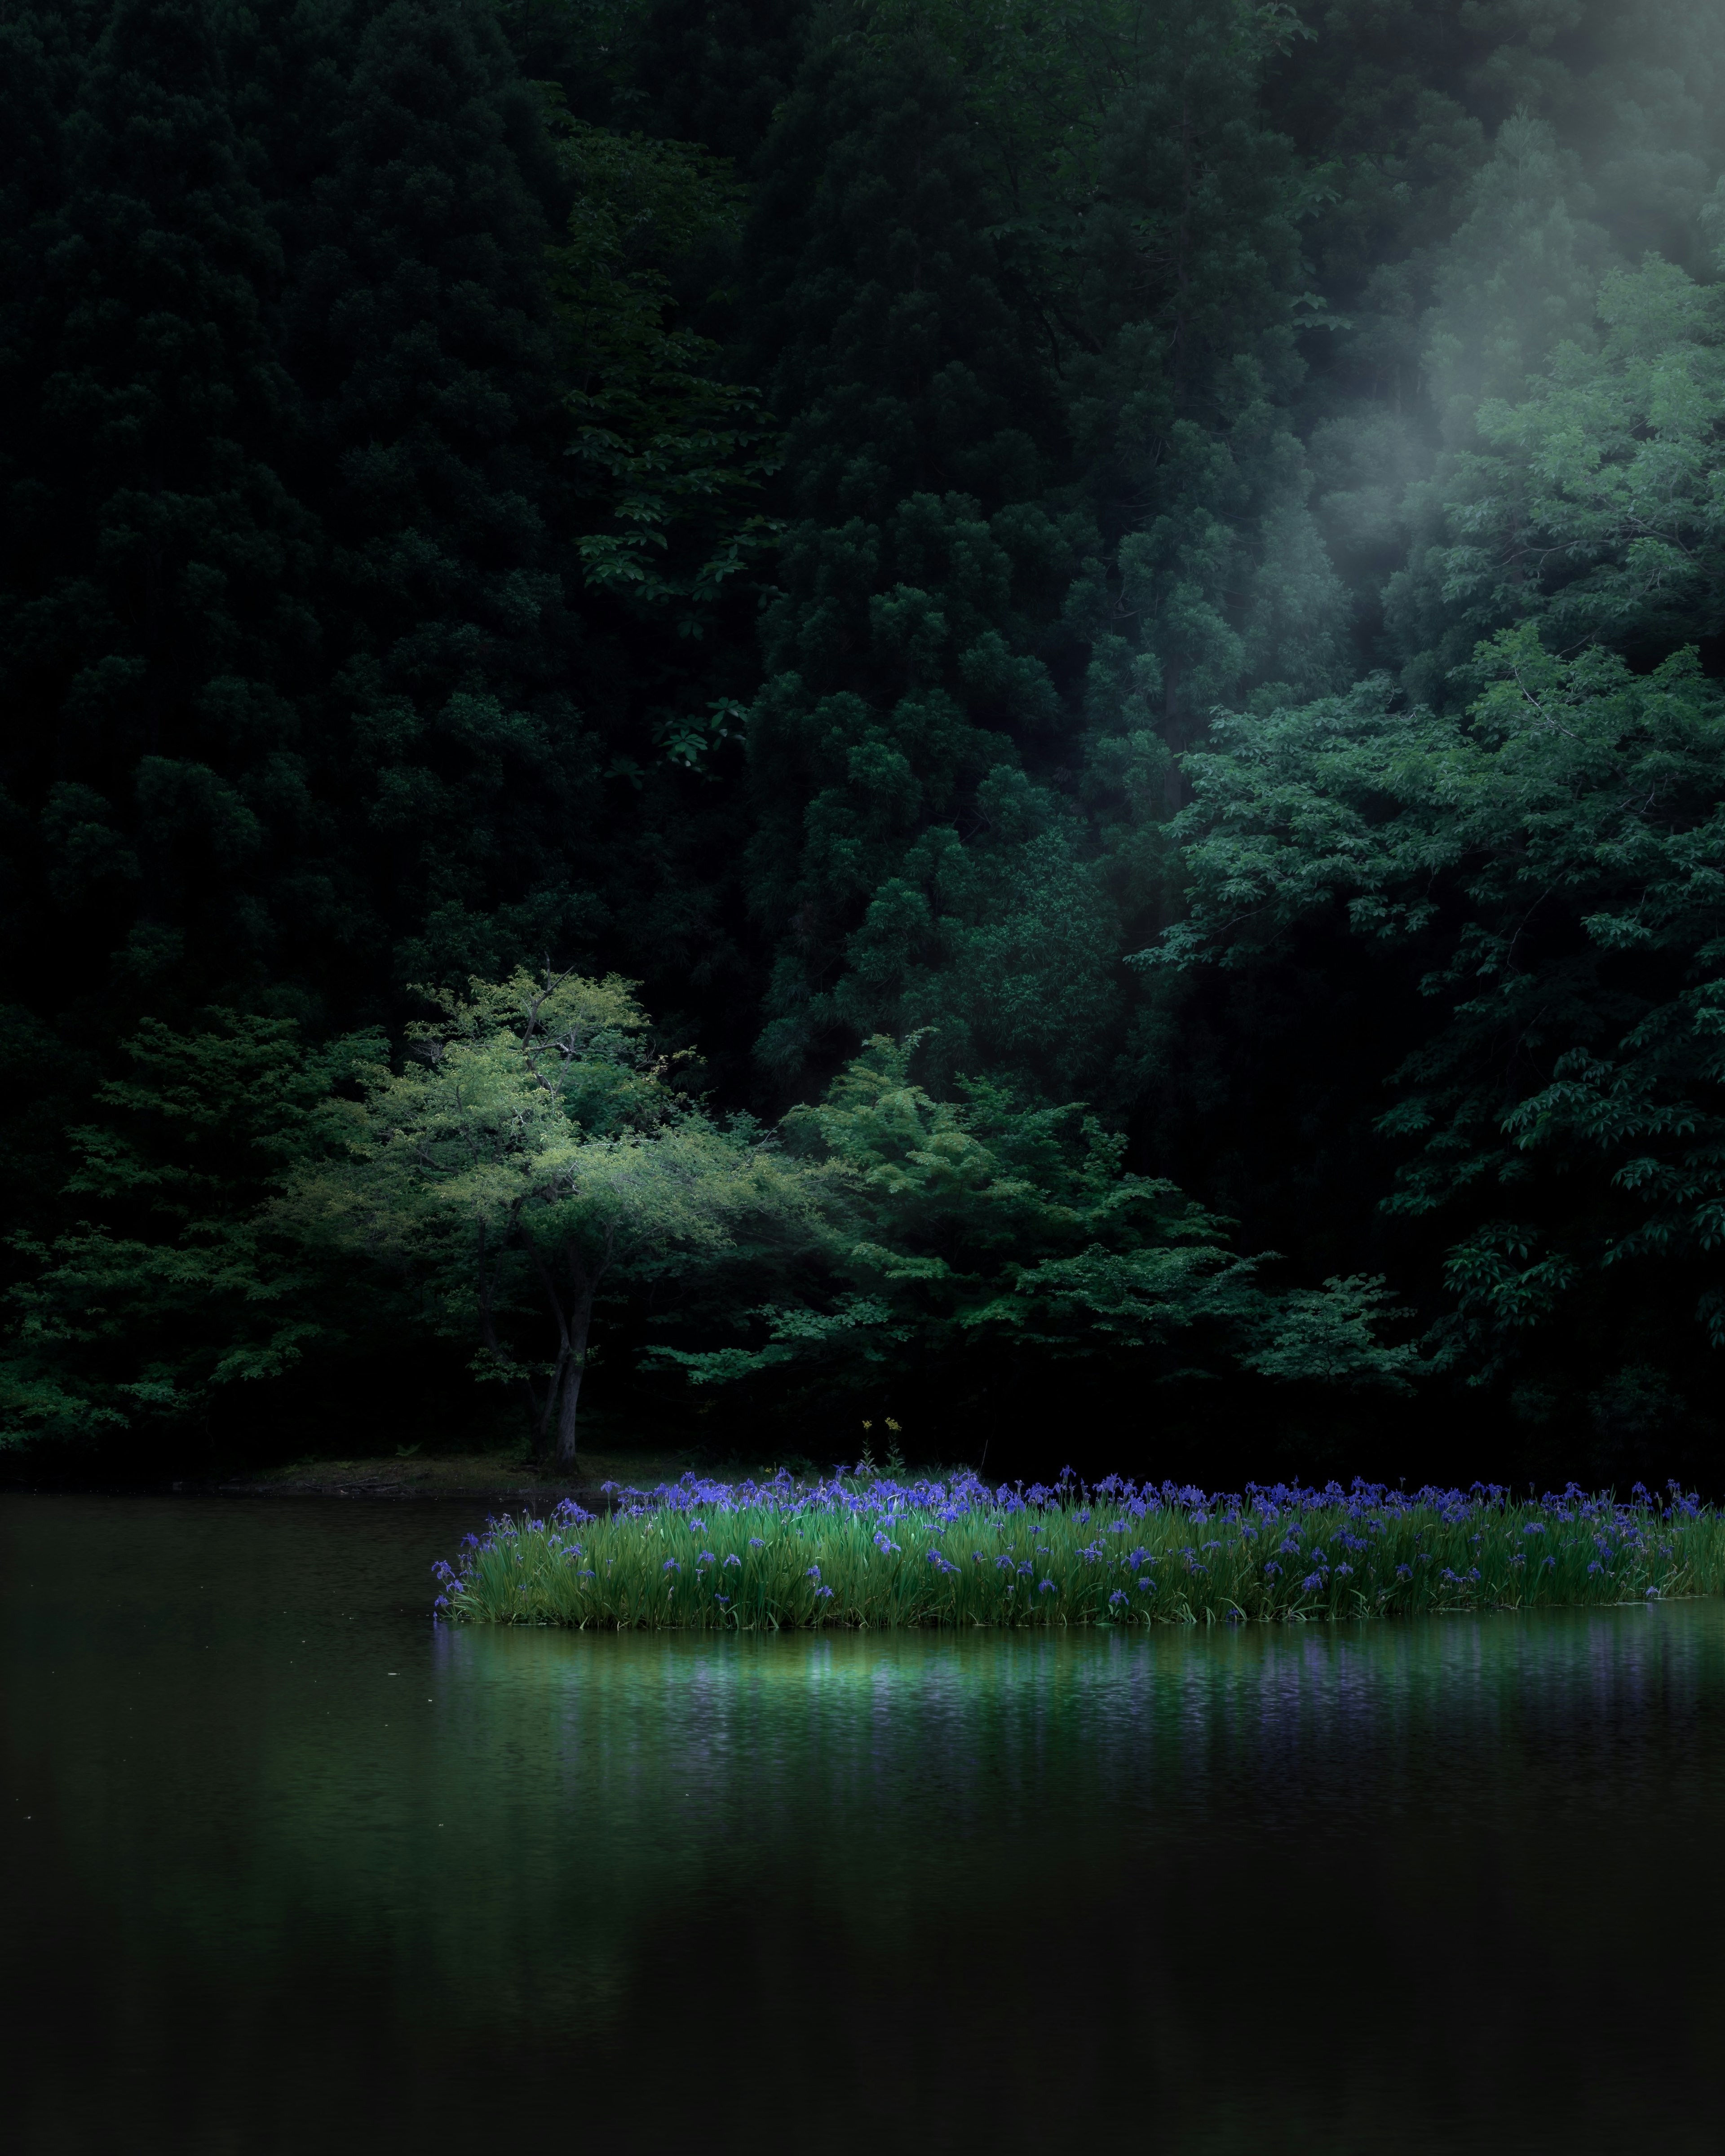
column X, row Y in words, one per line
column 868, row 1550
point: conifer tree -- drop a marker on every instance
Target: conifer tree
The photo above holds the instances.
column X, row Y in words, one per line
column 713, row 71
column 41, row 60
column 1521, row 277
column 418, row 329
column 1196, row 290
column 907, row 652
column 970, row 612
column 157, row 637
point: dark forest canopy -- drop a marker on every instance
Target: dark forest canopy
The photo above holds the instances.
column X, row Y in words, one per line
column 1100, row 624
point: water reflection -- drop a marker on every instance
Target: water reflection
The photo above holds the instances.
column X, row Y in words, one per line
column 301, row 1872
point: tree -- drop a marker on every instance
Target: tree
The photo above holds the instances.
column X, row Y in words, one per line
column 536, row 1146
column 971, row 1239
column 1520, row 278
column 1551, row 864
column 176, row 1278
column 670, row 455
column 157, row 639
column 458, row 767
column 907, row 646
column 1195, row 296
column 1591, row 505
column 1032, row 290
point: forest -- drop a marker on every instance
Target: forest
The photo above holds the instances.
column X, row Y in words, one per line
column 740, row 717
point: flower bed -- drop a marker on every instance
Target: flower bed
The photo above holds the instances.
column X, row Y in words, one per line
column 871, row 1550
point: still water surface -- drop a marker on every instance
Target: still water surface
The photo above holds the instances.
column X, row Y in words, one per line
column 288, row 1869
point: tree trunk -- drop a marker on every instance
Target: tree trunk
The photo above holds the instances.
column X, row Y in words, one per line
column 575, row 1365
column 551, row 1412
column 574, row 1322
column 493, row 1346
column 553, row 1394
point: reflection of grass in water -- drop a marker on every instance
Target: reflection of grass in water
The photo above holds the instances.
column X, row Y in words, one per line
column 876, row 1552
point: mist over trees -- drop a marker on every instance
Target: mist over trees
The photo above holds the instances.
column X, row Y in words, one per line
column 1116, row 608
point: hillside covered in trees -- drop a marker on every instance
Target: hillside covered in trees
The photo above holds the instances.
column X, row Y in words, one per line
column 1003, row 714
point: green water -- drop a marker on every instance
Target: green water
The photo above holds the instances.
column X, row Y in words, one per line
column 287, row 1868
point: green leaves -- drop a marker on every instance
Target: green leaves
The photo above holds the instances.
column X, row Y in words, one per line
column 1596, row 505
column 532, row 1149
column 179, row 1278
column 979, row 1231
column 671, row 453
column 1557, row 860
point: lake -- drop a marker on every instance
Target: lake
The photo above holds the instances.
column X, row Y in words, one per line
column 289, row 1868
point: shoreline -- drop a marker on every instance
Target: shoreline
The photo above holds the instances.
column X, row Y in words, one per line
column 472, row 1478
column 504, row 1481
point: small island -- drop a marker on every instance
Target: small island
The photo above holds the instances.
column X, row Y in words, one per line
column 866, row 1550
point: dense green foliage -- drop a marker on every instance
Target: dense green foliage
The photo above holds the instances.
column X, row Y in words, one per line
column 533, row 1149
column 1112, row 607
column 1555, row 861
column 984, row 1232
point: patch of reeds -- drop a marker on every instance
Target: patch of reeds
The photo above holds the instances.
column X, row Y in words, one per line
column 868, row 1550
